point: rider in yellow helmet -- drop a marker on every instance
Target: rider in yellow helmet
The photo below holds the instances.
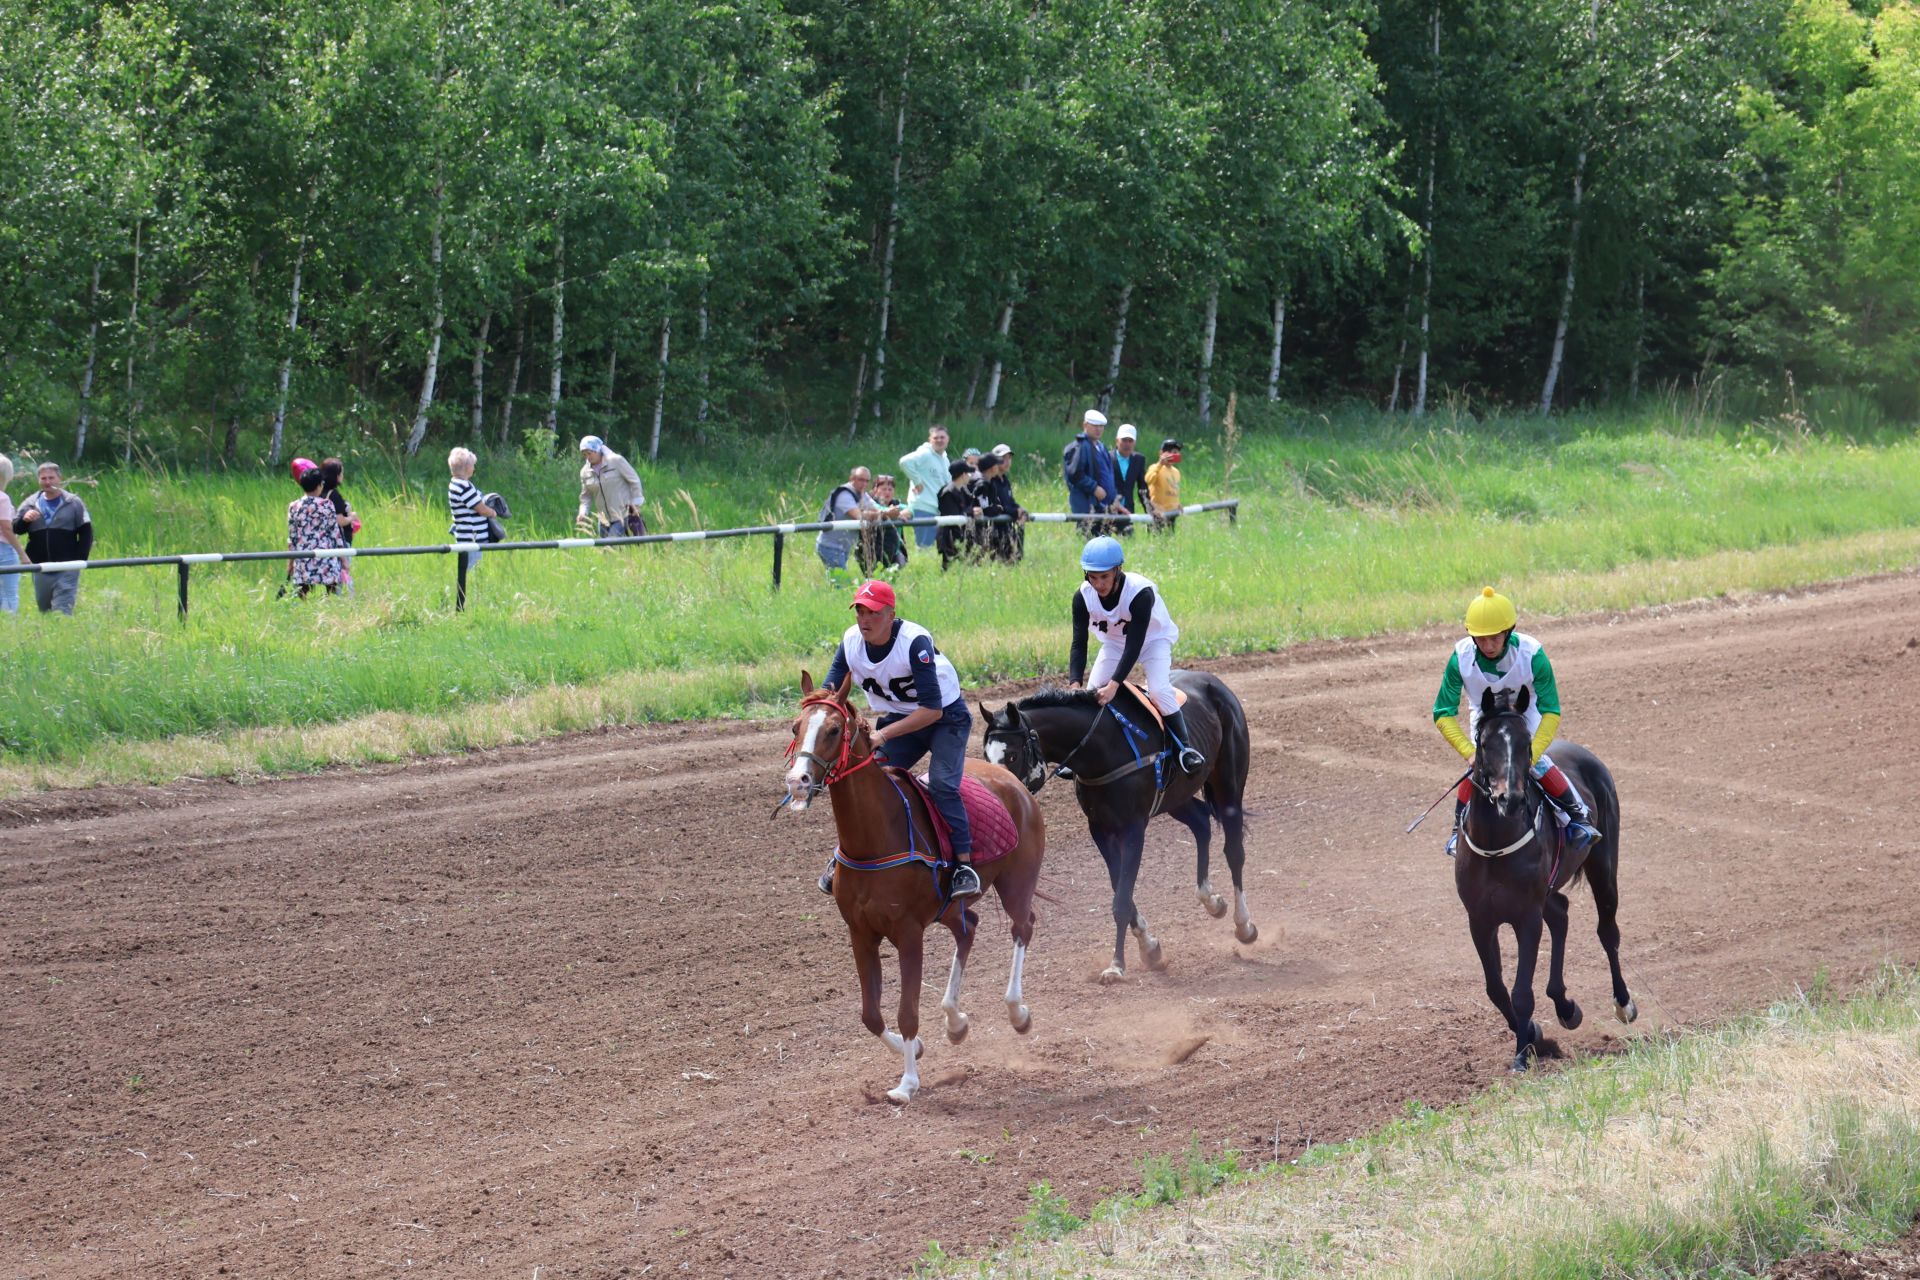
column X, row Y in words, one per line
column 1495, row 656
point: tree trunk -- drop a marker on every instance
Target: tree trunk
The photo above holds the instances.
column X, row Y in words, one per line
column 1119, row 346
column 432, row 374
column 660, row 392
column 973, row 383
column 1426, row 290
column 513, row 378
column 886, row 261
column 286, row 360
column 859, row 390
column 559, row 332
column 480, row 373
column 86, row 377
column 1400, row 360
column 706, row 360
column 1279, row 331
column 1639, row 332
column 1566, row 291
column 1573, row 247
column 999, row 351
column 1206, row 354
column 133, row 333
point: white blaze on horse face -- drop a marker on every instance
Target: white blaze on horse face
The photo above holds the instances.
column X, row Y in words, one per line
column 800, row 779
column 996, row 753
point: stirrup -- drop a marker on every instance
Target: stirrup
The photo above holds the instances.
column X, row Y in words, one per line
column 966, row 881
column 826, row 882
column 1453, row 842
column 1191, row 761
column 1581, row 834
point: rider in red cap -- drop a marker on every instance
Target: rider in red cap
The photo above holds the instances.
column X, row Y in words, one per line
column 917, row 694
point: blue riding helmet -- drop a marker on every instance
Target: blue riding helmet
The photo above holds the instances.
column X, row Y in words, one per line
column 1102, row 554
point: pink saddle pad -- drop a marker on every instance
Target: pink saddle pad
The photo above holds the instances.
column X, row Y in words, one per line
column 994, row 833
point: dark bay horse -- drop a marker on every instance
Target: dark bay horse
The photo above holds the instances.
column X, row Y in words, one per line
column 882, row 894
column 1514, row 869
column 1120, row 786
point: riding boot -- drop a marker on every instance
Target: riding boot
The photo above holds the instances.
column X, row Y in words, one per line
column 966, row 881
column 1191, row 761
column 1453, row 837
column 1580, row 829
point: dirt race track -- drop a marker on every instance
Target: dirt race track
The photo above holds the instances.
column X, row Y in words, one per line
column 578, row 1007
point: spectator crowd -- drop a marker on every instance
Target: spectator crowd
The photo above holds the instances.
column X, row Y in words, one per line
column 53, row 525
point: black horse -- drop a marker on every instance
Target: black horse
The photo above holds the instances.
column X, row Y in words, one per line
column 1123, row 775
column 1514, row 867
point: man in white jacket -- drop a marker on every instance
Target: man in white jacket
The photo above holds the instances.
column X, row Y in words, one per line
column 926, row 472
column 610, row 490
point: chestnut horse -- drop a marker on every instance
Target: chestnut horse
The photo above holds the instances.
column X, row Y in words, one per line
column 884, row 891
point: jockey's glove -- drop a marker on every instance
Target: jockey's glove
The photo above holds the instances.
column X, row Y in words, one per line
column 1543, row 736
column 1450, row 729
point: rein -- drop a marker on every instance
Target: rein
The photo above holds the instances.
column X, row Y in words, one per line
column 1033, row 746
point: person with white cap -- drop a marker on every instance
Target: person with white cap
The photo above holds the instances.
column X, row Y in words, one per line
column 1087, row 467
column 1129, row 474
column 915, row 690
column 609, row 490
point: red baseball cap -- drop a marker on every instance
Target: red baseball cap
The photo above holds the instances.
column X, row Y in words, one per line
column 874, row 594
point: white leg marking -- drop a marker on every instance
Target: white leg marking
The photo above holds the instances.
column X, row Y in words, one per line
column 1215, row 904
column 1016, row 1008
column 1149, row 945
column 956, row 1020
column 1243, row 927
column 910, row 1078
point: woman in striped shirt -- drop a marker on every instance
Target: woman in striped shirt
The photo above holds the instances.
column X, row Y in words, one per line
column 470, row 512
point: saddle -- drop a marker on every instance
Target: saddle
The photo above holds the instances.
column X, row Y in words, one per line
column 1145, row 700
column 994, row 834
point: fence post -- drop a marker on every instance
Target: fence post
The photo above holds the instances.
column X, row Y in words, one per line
column 1233, row 514
column 460, row 580
column 779, row 552
column 184, row 569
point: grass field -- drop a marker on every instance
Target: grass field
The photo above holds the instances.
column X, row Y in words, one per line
column 1713, row 1153
column 1349, row 526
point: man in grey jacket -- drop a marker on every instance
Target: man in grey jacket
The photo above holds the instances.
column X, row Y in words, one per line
column 610, row 489
column 59, row 529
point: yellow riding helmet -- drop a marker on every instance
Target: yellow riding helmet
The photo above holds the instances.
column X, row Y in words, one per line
column 1490, row 614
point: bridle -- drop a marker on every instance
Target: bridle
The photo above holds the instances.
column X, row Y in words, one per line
column 1035, row 754
column 844, row 765
column 1476, row 776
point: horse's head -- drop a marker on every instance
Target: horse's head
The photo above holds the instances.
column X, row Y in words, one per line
column 1012, row 744
column 1503, row 750
column 827, row 733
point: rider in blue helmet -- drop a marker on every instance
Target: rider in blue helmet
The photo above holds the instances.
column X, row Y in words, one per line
column 1135, row 627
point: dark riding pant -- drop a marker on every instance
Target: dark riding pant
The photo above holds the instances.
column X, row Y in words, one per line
column 946, row 741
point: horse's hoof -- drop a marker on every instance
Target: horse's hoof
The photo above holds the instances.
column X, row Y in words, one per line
column 1021, row 1018
column 1248, row 932
column 1521, row 1062
column 1215, row 904
column 1572, row 1017
column 1157, row 959
column 900, row 1094
column 1111, row 974
column 957, row 1029
column 1626, row 1012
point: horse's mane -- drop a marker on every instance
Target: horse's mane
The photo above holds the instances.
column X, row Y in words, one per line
column 1050, row 697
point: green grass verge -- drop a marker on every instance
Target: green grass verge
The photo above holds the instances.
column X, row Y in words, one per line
column 1350, row 526
column 1713, row 1153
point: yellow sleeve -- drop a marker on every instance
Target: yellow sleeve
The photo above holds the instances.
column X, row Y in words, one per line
column 1450, row 729
column 1543, row 736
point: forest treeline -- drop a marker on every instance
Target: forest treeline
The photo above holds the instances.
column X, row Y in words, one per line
column 479, row 220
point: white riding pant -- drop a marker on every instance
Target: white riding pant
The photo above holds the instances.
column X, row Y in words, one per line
column 1156, row 661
